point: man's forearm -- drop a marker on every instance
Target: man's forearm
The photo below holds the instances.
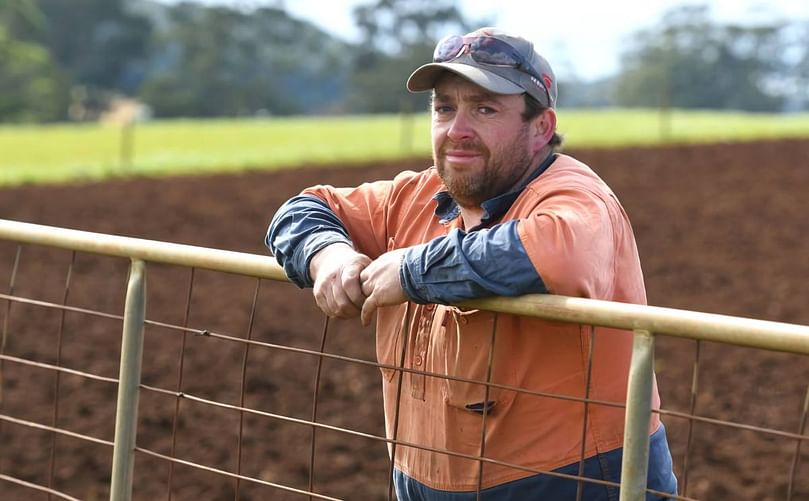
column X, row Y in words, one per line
column 458, row 266
column 302, row 227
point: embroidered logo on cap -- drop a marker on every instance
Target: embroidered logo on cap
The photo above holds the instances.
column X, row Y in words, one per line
column 548, row 80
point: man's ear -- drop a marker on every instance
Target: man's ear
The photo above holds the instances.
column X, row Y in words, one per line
column 542, row 128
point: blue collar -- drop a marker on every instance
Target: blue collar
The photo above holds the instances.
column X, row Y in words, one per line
column 448, row 209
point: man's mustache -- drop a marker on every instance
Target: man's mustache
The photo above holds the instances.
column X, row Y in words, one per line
column 467, row 147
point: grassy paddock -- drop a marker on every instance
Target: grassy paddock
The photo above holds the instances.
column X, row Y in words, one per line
column 58, row 153
column 608, row 128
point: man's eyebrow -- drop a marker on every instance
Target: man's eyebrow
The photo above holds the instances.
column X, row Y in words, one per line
column 475, row 98
column 439, row 97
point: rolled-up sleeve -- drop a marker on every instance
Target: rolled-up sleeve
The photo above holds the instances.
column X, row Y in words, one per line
column 460, row 265
column 301, row 227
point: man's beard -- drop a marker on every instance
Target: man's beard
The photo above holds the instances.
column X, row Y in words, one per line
column 498, row 175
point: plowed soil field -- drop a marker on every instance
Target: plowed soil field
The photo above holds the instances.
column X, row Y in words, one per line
column 721, row 228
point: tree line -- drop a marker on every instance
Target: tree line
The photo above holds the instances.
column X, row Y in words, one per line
column 64, row 60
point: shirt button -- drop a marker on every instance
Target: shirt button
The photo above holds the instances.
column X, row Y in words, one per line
column 430, row 307
column 464, row 321
column 417, row 360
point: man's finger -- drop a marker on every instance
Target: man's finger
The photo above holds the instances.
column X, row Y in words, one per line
column 345, row 308
column 352, row 286
column 330, row 302
column 326, row 299
column 368, row 310
column 366, row 283
column 342, row 305
column 320, row 299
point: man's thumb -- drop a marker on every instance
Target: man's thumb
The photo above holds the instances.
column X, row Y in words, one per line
column 368, row 309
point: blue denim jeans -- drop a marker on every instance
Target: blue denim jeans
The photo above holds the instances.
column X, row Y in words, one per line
column 606, row 466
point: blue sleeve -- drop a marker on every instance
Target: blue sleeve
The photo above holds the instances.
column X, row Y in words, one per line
column 300, row 228
column 458, row 266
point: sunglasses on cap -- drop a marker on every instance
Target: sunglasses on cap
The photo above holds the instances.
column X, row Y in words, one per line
column 485, row 50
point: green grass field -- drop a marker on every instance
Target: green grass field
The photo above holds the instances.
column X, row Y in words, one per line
column 63, row 153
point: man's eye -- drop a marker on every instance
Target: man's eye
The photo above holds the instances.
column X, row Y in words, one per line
column 442, row 109
column 486, row 110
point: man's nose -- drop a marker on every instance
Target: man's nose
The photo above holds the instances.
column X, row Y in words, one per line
column 461, row 127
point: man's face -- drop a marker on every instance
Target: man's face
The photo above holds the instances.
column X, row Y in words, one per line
column 481, row 144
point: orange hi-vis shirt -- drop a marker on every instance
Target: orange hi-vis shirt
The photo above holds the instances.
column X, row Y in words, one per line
column 580, row 241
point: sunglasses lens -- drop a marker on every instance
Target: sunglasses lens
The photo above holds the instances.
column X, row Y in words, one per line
column 490, row 50
column 448, row 48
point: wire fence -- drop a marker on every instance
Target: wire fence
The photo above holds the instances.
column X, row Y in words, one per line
column 206, row 410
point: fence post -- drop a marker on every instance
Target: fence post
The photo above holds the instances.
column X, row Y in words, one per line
column 127, row 145
column 635, row 465
column 126, row 414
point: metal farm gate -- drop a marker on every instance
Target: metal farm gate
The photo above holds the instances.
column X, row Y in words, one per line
column 645, row 321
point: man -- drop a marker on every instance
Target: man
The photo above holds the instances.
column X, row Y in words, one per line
column 500, row 214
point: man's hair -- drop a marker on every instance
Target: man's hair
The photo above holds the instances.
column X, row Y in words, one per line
column 533, row 110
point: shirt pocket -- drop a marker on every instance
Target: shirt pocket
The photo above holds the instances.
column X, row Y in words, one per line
column 465, row 341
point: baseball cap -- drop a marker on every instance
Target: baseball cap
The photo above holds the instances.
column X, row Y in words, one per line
column 500, row 62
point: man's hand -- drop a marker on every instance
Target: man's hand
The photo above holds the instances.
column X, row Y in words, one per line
column 380, row 283
column 336, row 272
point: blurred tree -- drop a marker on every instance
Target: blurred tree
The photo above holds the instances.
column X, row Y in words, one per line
column 576, row 93
column 799, row 89
column 98, row 43
column 223, row 62
column 688, row 61
column 393, row 25
column 31, row 87
column 22, row 16
column 397, row 37
column 379, row 86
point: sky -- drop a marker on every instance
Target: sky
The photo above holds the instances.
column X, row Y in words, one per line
column 581, row 38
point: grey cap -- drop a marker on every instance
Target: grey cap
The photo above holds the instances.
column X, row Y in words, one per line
column 497, row 79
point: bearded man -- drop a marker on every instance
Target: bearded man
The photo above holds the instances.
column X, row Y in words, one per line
column 500, row 213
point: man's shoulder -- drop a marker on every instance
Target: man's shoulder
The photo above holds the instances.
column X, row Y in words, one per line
column 568, row 172
column 426, row 181
column 566, row 165
column 569, row 176
column 426, row 175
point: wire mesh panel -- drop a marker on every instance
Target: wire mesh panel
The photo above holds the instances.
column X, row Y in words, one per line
column 734, row 420
column 57, row 414
column 234, row 416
